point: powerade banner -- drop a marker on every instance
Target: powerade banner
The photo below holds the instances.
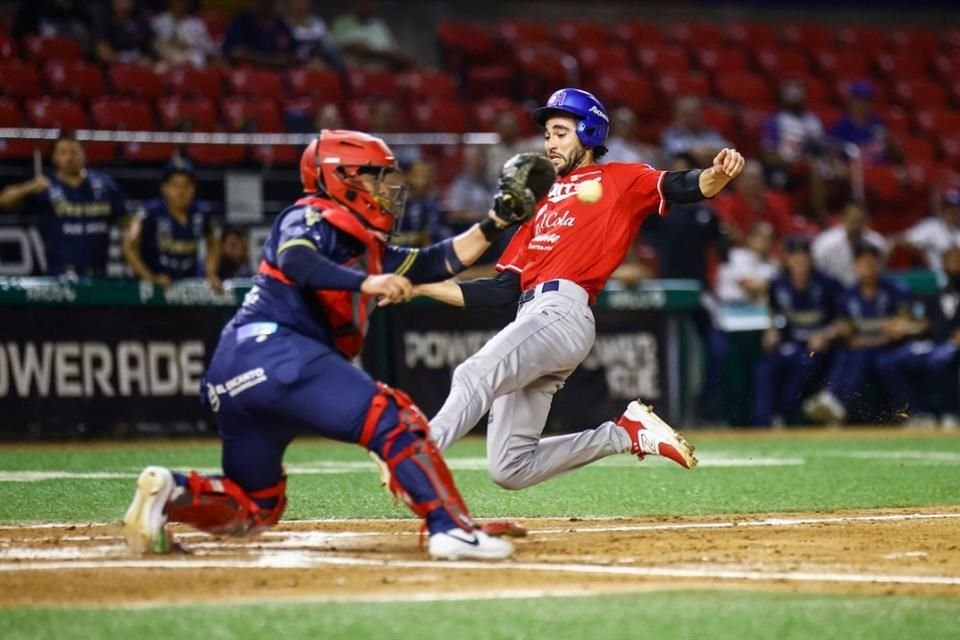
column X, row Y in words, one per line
column 64, row 366
column 628, row 360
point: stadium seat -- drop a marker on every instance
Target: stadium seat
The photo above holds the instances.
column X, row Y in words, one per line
column 367, row 83
column 281, row 154
column 696, row 34
column 252, row 116
column 829, row 114
column 625, row 87
column 74, row 78
column 490, row 81
column 776, row 62
column 573, row 34
column 44, row 48
column 864, row 39
column 818, row 92
column 593, row 60
column 848, row 64
column 10, row 114
column 56, row 113
column 190, row 81
column 897, row 120
column 445, row 116
column 938, row 122
column 722, row 59
column 752, row 35
column 216, row 155
column 8, row 46
column 632, row 34
column 179, row 114
column 720, row 117
column 256, row 83
column 138, row 81
column 947, row 65
column 951, row 39
column 140, row 153
column 320, row 83
column 917, row 149
column 464, row 45
column 744, row 88
column 100, row 153
column 428, row 84
column 659, row 59
column 902, row 66
column 216, row 24
column 950, row 146
column 357, row 114
column 484, row 114
column 809, row 37
column 920, row 93
column 523, row 32
column 918, row 40
column 121, row 114
column 692, row 83
column 542, row 70
column 10, row 148
column 20, row 80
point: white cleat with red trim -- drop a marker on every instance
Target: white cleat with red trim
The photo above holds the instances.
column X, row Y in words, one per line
column 650, row 435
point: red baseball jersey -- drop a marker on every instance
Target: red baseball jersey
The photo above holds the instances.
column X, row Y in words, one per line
column 570, row 240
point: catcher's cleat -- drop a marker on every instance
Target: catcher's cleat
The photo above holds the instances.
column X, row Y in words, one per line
column 649, row 434
column 145, row 525
column 504, row 529
column 457, row 544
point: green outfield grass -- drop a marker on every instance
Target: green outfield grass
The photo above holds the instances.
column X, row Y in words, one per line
column 752, row 473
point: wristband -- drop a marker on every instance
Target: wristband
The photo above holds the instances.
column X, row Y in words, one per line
column 490, row 229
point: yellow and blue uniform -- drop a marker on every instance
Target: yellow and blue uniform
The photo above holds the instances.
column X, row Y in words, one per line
column 170, row 247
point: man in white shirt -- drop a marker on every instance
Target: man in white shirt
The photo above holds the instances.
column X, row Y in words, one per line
column 181, row 38
column 746, row 275
column 833, row 248
column 932, row 236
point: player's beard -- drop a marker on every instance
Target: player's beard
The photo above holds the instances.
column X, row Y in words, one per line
column 574, row 161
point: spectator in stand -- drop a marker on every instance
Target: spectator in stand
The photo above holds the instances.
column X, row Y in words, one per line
column 936, row 234
column 864, row 128
column 260, row 37
column 689, row 134
column 423, row 222
column 164, row 243
column 752, row 202
column 833, row 248
column 182, row 38
column 124, row 35
column 385, row 118
column 793, row 145
column 76, row 207
column 470, row 195
column 874, row 320
column 365, row 39
column 511, row 143
column 328, row 117
column 234, row 254
column 802, row 308
column 622, row 145
column 745, row 277
column 311, row 37
column 54, row 18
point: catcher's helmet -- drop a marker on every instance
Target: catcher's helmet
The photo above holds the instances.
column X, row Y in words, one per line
column 593, row 123
column 333, row 163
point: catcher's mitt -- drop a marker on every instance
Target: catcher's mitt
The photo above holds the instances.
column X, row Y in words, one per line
column 524, row 180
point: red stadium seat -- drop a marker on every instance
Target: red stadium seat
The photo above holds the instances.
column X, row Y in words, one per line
column 594, row 60
column 663, row 59
column 542, row 70
column 74, row 78
column 744, row 88
column 938, row 121
column 902, row 66
column 320, row 83
column 868, row 40
column 281, row 154
column 464, row 45
column 122, row 114
column 843, row 63
column 178, row 114
column 256, row 83
column 827, row 113
column 918, row 40
column 810, row 37
column 366, row 83
column 248, row 115
column 10, row 114
column 917, row 149
column 752, row 35
column 696, row 34
column 56, row 113
column 625, row 87
column 8, row 46
column 138, row 81
column 777, row 62
column 20, row 80
column 692, row 83
column 950, row 145
column 444, row 116
column 44, row 48
column 484, row 115
column 357, row 114
column 99, row 153
column 722, row 59
column 487, row 81
column 190, row 81
column 140, row 153
column 947, row 65
column 575, row 34
column 523, row 32
column 631, row 34
column 216, row 155
column 897, row 120
column 951, row 38
column 818, row 92
column 719, row 117
column 216, row 24
column 920, row 93
column 428, row 84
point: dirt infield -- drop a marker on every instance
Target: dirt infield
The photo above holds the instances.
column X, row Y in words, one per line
column 915, row 551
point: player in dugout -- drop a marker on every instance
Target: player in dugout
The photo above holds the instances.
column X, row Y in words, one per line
column 77, row 207
column 554, row 267
column 283, row 366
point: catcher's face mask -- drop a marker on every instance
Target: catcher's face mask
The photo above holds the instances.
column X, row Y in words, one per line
column 385, row 184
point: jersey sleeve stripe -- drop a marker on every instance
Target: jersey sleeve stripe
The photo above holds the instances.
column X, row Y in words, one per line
column 296, row 242
column 511, row 267
column 407, row 262
column 662, row 209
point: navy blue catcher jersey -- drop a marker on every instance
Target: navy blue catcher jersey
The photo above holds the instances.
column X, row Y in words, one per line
column 76, row 222
column 169, row 246
column 799, row 313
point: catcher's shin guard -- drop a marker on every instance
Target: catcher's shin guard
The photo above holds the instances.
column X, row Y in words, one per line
column 409, row 442
column 219, row 506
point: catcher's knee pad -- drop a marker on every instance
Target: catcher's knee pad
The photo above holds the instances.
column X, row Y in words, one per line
column 428, row 484
column 219, row 506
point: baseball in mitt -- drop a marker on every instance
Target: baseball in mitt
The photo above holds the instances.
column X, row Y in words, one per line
column 525, row 179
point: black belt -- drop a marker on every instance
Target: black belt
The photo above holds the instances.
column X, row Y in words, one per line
column 546, row 287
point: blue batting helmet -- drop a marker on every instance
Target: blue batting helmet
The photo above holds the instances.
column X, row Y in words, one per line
column 593, row 124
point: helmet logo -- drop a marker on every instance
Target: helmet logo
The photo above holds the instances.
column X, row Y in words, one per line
column 597, row 112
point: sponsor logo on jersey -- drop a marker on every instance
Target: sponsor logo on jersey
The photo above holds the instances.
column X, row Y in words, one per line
column 560, row 191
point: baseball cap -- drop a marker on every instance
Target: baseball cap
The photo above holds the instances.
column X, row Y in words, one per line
column 861, row 89
column 797, row 243
column 950, row 196
column 178, row 165
column 865, row 247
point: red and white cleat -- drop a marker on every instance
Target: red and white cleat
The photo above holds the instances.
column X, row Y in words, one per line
column 651, row 435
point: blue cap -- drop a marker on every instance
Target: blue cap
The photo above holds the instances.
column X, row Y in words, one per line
column 178, row 165
column 593, row 123
column 862, row 89
column 797, row 243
